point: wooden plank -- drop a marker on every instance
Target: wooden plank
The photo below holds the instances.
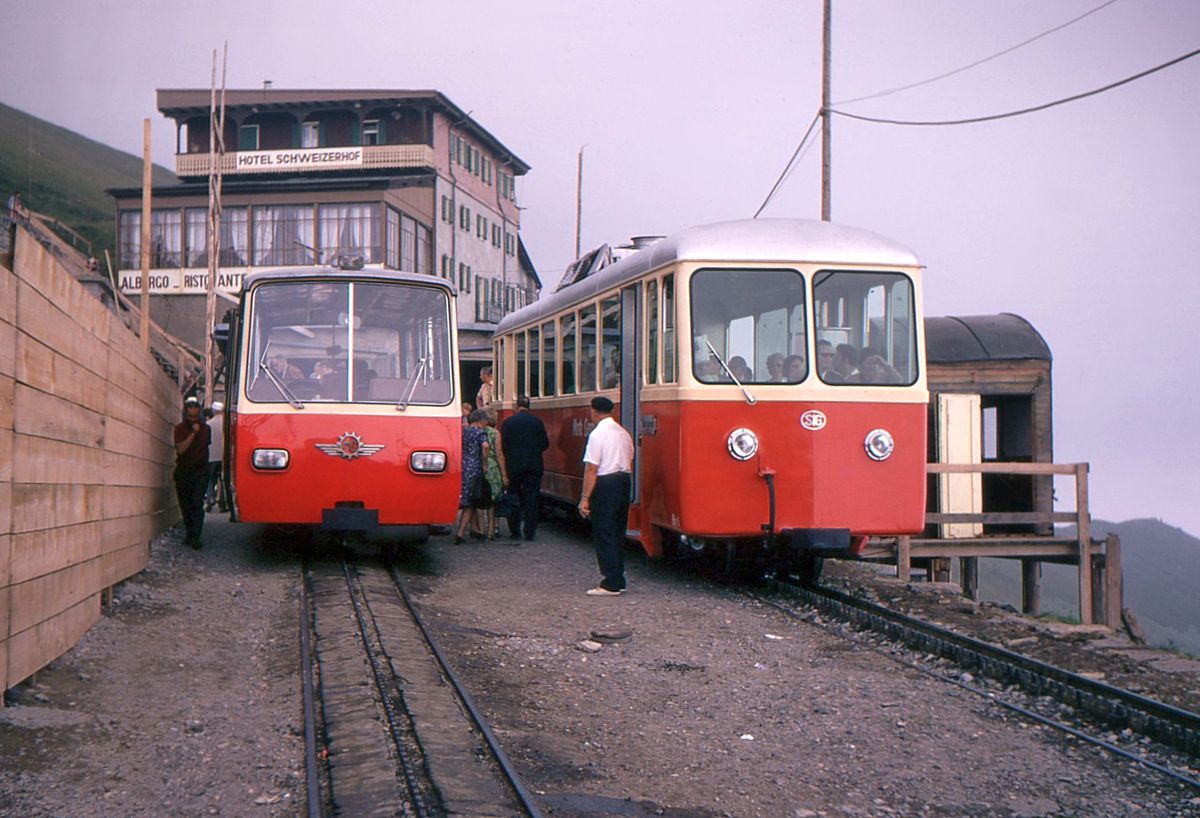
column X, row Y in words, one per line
column 1002, row 468
column 8, row 349
column 126, row 439
column 1084, row 532
column 44, row 460
column 123, row 470
column 34, row 505
column 5, row 573
column 31, row 650
column 128, row 501
column 904, row 558
column 44, row 597
column 5, row 528
column 44, row 415
column 38, row 553
column 8, row 296
column 120, row 564
column 1044, row 548
column 121, row 531
column 8, row 391
column 128, row 408
column 999, row 517
column 40, row 367
column 1114, row 587
column 39, row 318
column 41, row 270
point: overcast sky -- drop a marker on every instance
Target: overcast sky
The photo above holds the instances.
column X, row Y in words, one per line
column 1084, row 219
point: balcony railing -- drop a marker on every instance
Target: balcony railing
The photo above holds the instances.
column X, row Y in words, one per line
column 294, row 160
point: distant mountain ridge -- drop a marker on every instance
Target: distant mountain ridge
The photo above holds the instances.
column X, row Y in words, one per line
column 1161, row 566
column 63, row 174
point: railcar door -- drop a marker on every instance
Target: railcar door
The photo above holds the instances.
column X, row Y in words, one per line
column 631, row 377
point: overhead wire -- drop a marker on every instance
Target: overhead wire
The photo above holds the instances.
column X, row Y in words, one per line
column 979, row 62
column 790, row 164
column 1022, row 111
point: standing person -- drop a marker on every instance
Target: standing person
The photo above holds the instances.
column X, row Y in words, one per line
column 214, row 496
column 191, row 470
column 486, row 395
column 523, row 437
column 608, row 463
column 474, row 455
column 496, row 473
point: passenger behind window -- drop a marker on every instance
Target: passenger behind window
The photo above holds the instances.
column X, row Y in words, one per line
column 612, row 371
column 876, row 370
column 795, row 369
column 845, row 362
column 284, row 370
column 322, row 368
column 775, row 367
column 740, row 369
column 709, row 371
column 826, row 358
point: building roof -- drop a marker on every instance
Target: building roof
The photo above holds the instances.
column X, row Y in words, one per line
column 1003, row 337
column 183, row 103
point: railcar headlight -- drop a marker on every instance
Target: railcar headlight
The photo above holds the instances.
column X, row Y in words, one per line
column 743, row 444
column 879, row 444
column 428, row 461
column 270, row 459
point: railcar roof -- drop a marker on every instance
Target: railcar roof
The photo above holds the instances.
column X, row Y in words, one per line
column 288, row 273
column 786, row 241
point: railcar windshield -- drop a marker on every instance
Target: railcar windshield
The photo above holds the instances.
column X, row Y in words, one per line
column 752, row 320
column 865, row 327
column 348, row 341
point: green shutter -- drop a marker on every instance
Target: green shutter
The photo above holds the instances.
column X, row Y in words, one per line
column 382, row 132
column 356, row 133
column 320, row 134
column 295, row 134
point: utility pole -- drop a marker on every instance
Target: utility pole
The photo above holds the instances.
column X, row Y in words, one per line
column 826, row 114
column 147, row 183
column 579, row 201
column 216, row 156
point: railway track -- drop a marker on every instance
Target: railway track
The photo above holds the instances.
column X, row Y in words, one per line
column 1114, row 707
column 389, row 729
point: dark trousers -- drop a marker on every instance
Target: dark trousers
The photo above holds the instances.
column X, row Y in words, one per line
column 528, row 488
column 609, row 505
column 189, row 489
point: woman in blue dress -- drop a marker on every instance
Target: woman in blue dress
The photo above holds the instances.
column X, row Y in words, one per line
column 475, row 451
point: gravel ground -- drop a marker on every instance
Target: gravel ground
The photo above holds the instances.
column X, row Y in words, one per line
column 184, row 700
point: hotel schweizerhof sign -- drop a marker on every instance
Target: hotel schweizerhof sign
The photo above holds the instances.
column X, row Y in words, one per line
column 298, row 159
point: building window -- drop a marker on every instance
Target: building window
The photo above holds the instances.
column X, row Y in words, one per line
column 235, row 237
column 464, row 217
column 166, row 239
column 351, row 230
column 447, row 210
column 129, row 239
column 283, row 236
column 408, row 244
column 372, row 132
column 391, row 256
column 447, row 268
column 195, row 237
column 248, row 138
column 495, row 235
column 487, row 171
column 310, row 134
column 481, row 228
column 424, row 250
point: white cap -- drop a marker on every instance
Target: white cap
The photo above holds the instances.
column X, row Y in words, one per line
column 217, row 406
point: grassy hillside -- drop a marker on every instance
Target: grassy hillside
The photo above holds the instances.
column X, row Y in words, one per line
column 1162, row 581
column 62, row 174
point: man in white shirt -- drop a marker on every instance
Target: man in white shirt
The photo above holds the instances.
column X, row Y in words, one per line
column 608, row 461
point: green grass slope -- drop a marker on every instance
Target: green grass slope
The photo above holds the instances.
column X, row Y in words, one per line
column 62, row 174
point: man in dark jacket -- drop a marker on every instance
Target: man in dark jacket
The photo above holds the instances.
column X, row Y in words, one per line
column 523, row 439
column 191, row 469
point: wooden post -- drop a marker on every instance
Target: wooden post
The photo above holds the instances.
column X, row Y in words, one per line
column 939, row 570
column 1031, row 587
column 1114, row 585
column 147, row 182
column 1099, row 573
column 968, row 570
column 1084, row 533
column 904, row 558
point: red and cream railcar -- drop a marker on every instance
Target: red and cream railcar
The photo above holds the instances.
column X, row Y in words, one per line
column 342, row 411
column 769, row 370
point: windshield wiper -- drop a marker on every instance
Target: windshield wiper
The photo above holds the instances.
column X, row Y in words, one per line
column 273, row 378
column 422, row 366
column 750, row 399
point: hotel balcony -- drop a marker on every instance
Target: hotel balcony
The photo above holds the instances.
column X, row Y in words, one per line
column 308, row 160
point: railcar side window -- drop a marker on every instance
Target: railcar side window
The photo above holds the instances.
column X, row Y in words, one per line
column 865, row 327
column 668, row 306
column 568, row 354
column 549, row 359
column 522, row 387
column 349, row 341
column 535, row 364
column 587, row 348
column 610, row 365
column 651, row 332
column 754, row 321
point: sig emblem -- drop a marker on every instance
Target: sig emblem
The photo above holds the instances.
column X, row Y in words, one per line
column 813, row 420
column 349, row 446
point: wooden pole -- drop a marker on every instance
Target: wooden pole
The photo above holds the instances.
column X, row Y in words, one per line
column 579, row 203
column 147, row 178
column 1084, row 532
column 1114, row 587
column 216, row 151
column 826, row 115
column 1031, row 587
column 904, row 558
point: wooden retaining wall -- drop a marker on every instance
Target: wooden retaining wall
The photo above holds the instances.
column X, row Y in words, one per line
column 85, row 458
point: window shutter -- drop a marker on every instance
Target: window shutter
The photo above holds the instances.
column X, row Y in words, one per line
column 295, row 134
column 355, row 132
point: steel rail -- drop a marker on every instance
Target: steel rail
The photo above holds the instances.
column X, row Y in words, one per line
column 1172, row 726
column 316, row 806
column 510, row 773
column 411, row 776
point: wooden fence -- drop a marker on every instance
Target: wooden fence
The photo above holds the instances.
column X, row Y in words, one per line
column 85, row 457
column 1099, row 562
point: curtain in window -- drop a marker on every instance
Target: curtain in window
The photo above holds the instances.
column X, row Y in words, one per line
column 424, row 250
column 352, row 229
column 129, row 239
column 282, row 236
column 196, row 237
column 235, row 237
column 165, row 239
